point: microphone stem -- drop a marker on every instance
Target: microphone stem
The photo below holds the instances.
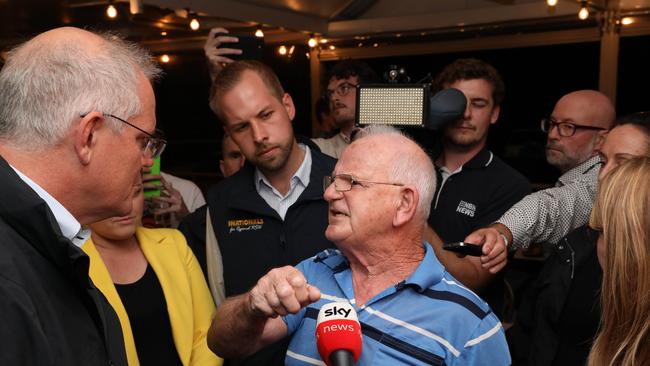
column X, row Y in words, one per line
column 341, row 357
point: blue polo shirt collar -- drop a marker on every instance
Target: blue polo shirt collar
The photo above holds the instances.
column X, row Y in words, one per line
column 428, row 272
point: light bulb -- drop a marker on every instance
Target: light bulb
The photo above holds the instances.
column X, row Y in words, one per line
column 194, row 24
column 165, row 59
column 259, row 33
column 135, row 6
column 583, row 13
column 312, row 42
column 551, row 2
column 282, row 50
column 111, row 12
column 627, row 21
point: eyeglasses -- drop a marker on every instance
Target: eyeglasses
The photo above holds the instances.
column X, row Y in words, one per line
column 344, row 182
column 341, row 90
column 565, row 129
column 152, row 146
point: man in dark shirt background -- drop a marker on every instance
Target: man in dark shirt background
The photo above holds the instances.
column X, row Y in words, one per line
column 476, row 187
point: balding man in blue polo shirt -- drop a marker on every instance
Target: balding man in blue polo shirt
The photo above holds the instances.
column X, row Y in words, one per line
column 412, row 312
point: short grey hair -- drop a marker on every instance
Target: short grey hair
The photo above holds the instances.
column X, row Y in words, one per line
column 44, row 89
column 407, row 169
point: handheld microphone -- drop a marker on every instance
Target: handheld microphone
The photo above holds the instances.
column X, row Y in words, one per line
column 338, row 334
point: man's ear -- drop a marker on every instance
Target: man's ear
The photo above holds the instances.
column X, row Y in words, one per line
column 495, row 114
column 599, row 139
column 85, row 136
column 287, row 102
column 407, row 205
column 222, row 167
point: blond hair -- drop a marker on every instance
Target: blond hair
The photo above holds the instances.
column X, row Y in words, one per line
column 622, row 213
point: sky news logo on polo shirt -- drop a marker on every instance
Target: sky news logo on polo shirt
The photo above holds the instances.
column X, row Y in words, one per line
column 239, row 225
column 466, row 208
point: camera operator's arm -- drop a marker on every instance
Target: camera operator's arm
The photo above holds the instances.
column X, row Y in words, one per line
column 217, row 56
column 246, row 323
column 467, row 269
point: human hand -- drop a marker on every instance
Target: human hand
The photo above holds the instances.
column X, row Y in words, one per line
column 495, row 251
column 280, row 292
column 169, row 201
column 216, row 55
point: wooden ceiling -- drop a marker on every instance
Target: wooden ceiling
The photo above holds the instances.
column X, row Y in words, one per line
column 342, row 22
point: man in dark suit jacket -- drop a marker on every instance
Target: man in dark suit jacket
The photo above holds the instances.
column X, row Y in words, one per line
column 77, row 111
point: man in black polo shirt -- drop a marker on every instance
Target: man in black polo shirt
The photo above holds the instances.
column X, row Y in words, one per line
column 271, row 213
column 476, row 187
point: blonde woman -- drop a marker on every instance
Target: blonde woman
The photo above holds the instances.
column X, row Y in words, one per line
column 155, row 284
column 622, row 214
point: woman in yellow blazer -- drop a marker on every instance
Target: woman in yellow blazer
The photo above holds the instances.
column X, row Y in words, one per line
column 155, row 284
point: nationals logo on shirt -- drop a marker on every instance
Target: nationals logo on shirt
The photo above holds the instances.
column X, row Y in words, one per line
column 239, row 225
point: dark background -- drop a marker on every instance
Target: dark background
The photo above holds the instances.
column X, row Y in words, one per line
column 535, row 78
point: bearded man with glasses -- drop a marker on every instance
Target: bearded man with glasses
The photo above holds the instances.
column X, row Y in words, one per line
column 575, row 132
column 341, row 94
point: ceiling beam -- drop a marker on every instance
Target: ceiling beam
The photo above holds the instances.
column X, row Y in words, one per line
column 231, row 9
column 473, row 44
column 193, row 43
column 446, row 19
column 353, row 9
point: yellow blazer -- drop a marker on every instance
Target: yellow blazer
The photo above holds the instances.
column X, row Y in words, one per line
column 188, row 298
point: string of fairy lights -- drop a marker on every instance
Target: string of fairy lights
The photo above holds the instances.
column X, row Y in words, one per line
column 586, row 7
column 314, row 41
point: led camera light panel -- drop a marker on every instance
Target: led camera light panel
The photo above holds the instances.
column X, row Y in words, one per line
column 391, row 104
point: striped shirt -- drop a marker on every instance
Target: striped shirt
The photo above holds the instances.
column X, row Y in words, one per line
column 427, row 319
column 299, row 181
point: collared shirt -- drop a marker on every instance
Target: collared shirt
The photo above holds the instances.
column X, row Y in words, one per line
column 427, row 319
column 334, row 145
column 190, row 192
column 474, row 195
column 70, row 227
column 446, row 173
column 550, row 214
column 299, row 181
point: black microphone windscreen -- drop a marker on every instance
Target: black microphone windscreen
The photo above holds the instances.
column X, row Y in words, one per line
column 446, row 106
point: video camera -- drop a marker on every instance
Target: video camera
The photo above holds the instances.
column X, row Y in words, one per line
column 397, row 102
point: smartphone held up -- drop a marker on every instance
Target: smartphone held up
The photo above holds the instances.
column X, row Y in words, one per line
column 252, row 47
